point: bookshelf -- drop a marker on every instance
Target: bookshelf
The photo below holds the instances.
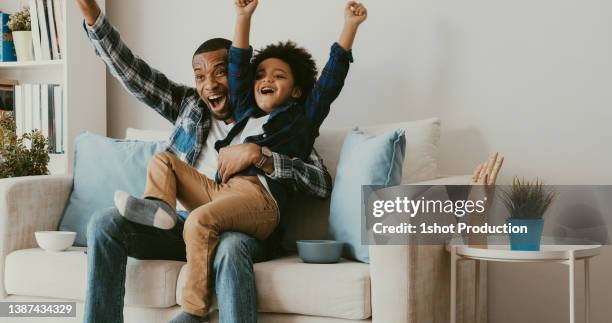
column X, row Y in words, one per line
column 80, row 73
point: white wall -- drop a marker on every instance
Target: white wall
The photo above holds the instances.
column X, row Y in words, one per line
column 532, row 79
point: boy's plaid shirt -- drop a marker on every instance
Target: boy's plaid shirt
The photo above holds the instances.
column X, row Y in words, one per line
column 182, row 106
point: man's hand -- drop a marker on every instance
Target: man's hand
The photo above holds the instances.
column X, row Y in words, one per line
column 90, row 10
column 355, row 13
column 245, row 8
column 235, row 158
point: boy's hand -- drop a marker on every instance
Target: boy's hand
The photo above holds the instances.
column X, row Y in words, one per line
column 245, row 7
column 355, row 13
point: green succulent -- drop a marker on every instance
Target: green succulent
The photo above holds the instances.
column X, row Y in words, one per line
column 527, row 200
column 16, row 159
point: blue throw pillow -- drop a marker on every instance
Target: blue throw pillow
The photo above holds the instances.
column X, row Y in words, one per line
column 364, row 160
column 102, row 166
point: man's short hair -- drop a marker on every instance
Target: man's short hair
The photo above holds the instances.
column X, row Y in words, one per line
column 303, row 66
column 212, row 45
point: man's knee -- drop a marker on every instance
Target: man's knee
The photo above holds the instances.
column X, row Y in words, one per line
column 233, row 247
column 106, row 222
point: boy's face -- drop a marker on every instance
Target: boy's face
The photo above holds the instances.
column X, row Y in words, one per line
column 274, row 84
column 210, row 71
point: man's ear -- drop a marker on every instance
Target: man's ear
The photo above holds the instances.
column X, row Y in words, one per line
column 296, row 93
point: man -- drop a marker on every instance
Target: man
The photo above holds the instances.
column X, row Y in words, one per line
column 112, row 238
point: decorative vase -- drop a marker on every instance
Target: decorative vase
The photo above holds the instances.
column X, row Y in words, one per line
column 529, row 241
column 23, row 45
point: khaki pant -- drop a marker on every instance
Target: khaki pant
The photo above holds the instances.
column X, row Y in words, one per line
column 243, row 204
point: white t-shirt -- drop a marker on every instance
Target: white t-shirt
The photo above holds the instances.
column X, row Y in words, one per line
column 208, row 160
column 254, row 127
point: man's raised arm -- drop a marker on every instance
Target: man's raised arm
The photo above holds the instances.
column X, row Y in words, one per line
column 90, row 10
column 147, row 84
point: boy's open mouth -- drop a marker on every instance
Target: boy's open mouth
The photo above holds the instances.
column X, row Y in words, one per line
column 266, row 90
column 216, row 101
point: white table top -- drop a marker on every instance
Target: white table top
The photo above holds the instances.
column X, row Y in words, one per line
column 502, row 252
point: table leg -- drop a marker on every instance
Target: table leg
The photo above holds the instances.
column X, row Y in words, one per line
column 572, row 267
column 587, row 291
column 477, row 293
column 453, row 296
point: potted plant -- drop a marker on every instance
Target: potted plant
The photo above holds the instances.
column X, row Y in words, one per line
column 26, row 155
column 21, row 28
column 527, row 202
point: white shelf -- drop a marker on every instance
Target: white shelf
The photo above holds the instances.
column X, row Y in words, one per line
column 81, row 74
column 32, row 64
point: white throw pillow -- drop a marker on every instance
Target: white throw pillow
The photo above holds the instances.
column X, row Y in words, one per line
column 422, row 144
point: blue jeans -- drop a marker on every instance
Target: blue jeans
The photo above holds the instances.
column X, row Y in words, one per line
column 111, row 239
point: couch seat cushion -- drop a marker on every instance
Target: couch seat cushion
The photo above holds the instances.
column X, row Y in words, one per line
column 288, row 285
column 35, row 272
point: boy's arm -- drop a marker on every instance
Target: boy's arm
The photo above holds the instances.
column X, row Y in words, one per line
column 240, row 79
column 145, row 83
column 334, row 73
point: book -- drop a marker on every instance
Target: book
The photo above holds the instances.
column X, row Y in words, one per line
column 19, row 110
column 45, row 35
column 58, row 10
column 44, row 109
column 51, row 125
column 58, row 97
column 7, row 47
column 7, row 94
column 52, row 29
column 35, row 30
column 36, row 102
column 27, row 109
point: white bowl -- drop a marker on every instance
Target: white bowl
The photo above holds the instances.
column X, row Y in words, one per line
column 55, row 240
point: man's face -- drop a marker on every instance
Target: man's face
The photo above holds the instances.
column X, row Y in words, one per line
column 210, row 71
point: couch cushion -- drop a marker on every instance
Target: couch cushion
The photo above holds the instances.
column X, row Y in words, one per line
column 365, row 160
column 288, row 285
column 340, row 290
column 306, row 217
column 35, row 272
column 101, row 166
column 422, row 142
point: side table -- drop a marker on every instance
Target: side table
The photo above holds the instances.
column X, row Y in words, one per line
column 563, row 254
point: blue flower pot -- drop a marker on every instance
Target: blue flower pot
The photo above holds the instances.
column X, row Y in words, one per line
column 529, row 241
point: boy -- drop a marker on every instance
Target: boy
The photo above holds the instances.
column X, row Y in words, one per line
column 277, row 99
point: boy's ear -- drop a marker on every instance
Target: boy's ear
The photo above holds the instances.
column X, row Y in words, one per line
column 296, row 93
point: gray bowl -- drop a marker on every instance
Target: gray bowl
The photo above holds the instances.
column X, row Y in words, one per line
column 319, row 251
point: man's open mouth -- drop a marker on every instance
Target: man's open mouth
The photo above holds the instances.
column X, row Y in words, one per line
column 216, row 101
column 266, row 90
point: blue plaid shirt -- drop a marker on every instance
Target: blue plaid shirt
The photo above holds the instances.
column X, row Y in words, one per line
column 182, row 106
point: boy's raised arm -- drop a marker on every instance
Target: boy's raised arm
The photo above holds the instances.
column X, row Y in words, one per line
column 244, row 12
column 354, row 14
column 334, row 73
column 239, row 75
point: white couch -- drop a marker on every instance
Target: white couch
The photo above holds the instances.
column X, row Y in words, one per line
column 401, row 284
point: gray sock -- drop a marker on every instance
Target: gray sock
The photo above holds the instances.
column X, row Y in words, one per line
column 184, row 317
column 151, row 212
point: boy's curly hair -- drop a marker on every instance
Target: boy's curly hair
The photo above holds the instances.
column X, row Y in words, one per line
column 303, row 66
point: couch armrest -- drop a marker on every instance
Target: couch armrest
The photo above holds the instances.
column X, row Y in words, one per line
column 411, row 283
column 29, row 204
